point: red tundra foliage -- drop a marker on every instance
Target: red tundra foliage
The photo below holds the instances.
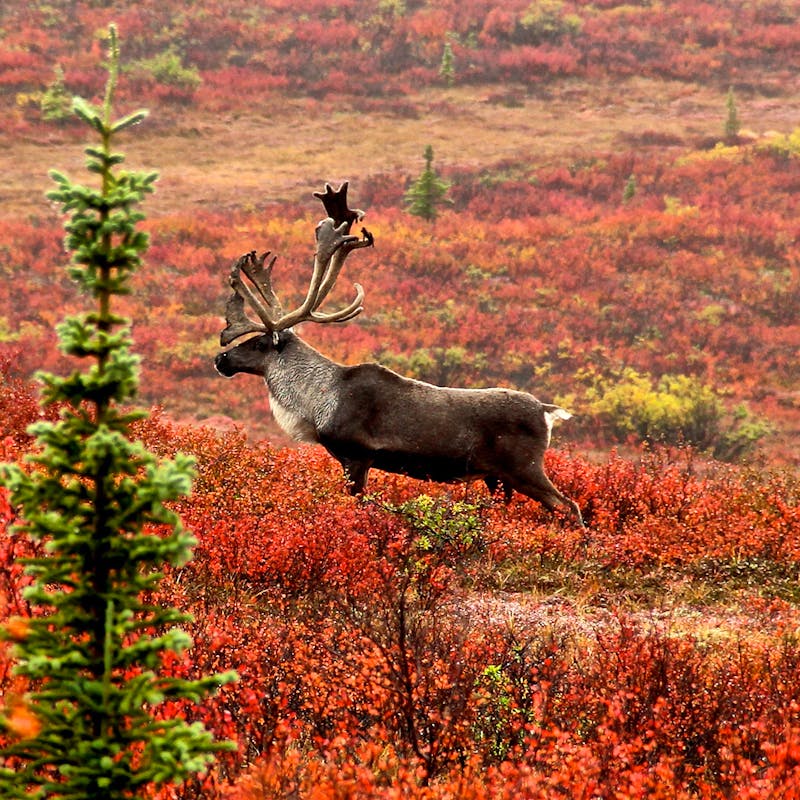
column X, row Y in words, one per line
column 336, row 49
column 428, row 641
column 540, row 278
column 394, row 646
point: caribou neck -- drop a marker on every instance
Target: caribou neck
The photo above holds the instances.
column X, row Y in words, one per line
column 302, row 387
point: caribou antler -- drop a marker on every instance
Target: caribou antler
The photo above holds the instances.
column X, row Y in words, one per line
column 239, row 324
column 334, row 243
column 335, row 202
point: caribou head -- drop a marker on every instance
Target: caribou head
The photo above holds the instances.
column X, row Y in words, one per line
column 251, row 280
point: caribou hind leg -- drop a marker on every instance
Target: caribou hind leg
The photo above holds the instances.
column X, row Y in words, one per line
column 539, row 487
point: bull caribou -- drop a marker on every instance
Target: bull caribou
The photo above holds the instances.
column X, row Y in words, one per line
column 367, row 415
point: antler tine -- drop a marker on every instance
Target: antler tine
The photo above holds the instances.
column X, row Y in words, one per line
column 336, row 207
column 261, row 277
column 239, row 323
column 335, row 203
column 346, row 313
column 331, row 239
column 321, row 260
column 337, row 262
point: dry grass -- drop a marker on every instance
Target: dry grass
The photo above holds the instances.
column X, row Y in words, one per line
column 289, row 146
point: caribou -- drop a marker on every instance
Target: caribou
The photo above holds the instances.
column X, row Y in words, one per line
column 366, row 415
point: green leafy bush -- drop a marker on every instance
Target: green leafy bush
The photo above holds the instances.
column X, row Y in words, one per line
column 443, row 523
column 783, row 145
column 545, row 21
column 167, row 68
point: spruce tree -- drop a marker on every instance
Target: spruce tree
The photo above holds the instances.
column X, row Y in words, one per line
column 426, row 192
column 447, row 69
column 56, row 103
column 732, row 123
column 92, row 650
column 629, row 192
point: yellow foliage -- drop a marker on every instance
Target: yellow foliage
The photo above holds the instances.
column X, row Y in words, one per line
column 785, row 145
column 719, row 151
column 675, row 409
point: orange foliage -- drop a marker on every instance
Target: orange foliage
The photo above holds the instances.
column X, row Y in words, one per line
column 377, row 662
column 545, row 281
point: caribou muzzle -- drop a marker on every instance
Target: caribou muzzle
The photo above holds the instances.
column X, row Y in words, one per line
column 249, row 356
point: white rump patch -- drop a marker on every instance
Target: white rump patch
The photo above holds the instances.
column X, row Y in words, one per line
column 551, row 416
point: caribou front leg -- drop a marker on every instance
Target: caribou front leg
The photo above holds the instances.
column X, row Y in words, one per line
column 355, row 472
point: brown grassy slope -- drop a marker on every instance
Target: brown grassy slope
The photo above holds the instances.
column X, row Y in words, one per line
column 288, row 146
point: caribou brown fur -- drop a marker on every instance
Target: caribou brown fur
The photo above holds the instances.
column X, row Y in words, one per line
column 366, row 415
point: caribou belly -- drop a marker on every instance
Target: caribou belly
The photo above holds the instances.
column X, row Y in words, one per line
column 430, row 468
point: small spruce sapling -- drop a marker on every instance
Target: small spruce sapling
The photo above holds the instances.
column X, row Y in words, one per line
column 447, row 69
column 426, row 192
column 56, row 103
column 629, row 192
column 92, row 651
